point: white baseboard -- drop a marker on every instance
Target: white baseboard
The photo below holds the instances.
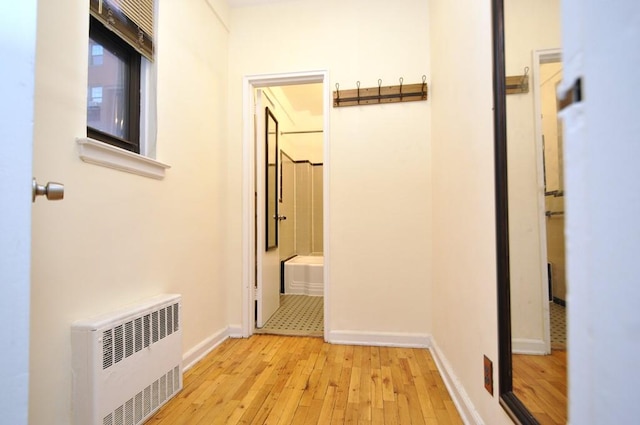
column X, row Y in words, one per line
column 383, row 339
column 467, row 410
column 197, row 353
column 528, row 346
column 235, row 331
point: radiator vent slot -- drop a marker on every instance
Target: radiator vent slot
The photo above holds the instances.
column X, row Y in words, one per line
column 128, row 363
column 124, row 340
column 134, row 410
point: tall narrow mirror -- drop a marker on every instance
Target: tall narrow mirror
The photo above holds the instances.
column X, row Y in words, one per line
column 271, row 179
column 530, row 226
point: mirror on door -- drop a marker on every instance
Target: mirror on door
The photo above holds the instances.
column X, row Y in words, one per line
column 532, row 284
column 271, row 179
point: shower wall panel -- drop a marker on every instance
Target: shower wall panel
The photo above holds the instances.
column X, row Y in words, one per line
column 316, row 210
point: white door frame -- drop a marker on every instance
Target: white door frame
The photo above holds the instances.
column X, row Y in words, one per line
column 540, row 57
column 17, row 81
column 248, row 185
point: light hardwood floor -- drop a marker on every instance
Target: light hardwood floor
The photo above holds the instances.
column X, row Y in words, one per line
column 540, row 382
column 270, row 379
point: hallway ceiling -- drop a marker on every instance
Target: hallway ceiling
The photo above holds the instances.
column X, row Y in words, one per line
column 243, row 3
column 305, row 97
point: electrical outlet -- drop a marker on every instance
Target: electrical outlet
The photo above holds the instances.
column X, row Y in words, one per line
column 488, row 375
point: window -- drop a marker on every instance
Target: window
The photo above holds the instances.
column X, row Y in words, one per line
column 120, row 38
column 121, row 88
column 113, row 91
column 97, row 52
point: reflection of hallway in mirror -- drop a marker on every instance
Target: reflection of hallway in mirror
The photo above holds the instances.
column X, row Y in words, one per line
column 540, row 382
column 558, row 315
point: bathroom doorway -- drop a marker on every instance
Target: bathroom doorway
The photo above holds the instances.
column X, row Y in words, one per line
column 297, row 109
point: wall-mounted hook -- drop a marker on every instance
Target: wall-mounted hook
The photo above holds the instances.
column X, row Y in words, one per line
column 525, row 82
column 518, row 84
column 378, row 95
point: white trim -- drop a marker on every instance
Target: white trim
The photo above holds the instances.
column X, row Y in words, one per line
column 540, row 57
column 380, row 339
column 235, row 331
column 99, row 153
column 326, row 191
column 464, row 405
column 197, row 353
column 250, row 83
column 529, row 346
column 148, row 108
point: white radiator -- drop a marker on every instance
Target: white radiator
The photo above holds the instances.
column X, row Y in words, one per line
column 128, row 363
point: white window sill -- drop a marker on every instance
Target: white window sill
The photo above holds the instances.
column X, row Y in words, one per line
column 99, row 153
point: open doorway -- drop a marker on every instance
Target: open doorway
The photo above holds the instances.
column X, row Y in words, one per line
column 285, row 138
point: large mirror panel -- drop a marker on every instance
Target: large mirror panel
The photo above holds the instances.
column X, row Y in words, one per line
column 271, row 179
column 530, row 224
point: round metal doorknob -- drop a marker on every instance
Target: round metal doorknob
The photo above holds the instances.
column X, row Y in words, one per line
column 53, row 191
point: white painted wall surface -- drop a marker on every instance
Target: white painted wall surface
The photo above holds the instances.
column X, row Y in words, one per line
column 17, row 56
column 379, row 186
column 118, row 237
column 464, row 260
column 603, row 238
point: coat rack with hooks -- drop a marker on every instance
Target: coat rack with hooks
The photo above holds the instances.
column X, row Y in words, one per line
column 380, row 94
column 517, row 84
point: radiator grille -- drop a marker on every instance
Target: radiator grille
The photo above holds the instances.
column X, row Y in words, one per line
column 123, row 341
column 127, row 363
column 107, row 349
column 134, row 410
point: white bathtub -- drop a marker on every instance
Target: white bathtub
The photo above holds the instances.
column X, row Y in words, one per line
column 304, row 275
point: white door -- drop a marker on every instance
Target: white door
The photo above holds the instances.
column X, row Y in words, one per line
column 267, row 260
column 17, row 56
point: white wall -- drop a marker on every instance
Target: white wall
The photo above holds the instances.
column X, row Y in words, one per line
column 117, row 237
column 603, row 238
column 528, row 26
column 379, row 184
column 464, row 262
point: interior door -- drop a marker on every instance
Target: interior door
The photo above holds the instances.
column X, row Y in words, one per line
column 17, row 54
column 267, row 253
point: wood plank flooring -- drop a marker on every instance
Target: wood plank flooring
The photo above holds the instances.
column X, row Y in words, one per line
column 269, row 379
column 540, row 382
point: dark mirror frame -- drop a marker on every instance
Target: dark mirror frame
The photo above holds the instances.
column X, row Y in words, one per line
column 271, row 184
column 508, row 400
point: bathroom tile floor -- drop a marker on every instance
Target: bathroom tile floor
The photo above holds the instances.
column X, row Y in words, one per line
column 300, row 315
column 558, row 320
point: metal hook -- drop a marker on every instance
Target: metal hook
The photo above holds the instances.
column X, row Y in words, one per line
column 401, row 80
column 379, row 86
column 523, row 83
column 424, row 83
column 358, row 85
column 338, row 94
